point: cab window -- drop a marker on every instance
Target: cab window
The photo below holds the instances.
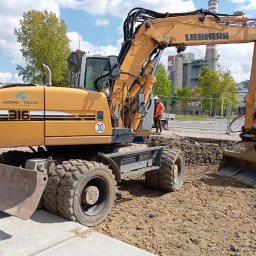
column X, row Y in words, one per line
column 95, row 67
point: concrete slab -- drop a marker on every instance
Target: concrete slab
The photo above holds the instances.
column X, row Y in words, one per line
column 47, row 234
column 94, row 244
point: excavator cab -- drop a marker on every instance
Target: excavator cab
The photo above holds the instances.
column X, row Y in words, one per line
column 94, row 73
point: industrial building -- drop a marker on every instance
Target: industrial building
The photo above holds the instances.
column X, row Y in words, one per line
column 184, row 70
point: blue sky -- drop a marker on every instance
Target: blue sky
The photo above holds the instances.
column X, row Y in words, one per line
column 97, row 27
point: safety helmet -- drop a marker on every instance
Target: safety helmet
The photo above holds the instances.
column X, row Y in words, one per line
column 156, row 98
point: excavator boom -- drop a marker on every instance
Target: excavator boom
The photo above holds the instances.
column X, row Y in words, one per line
column 159, row 31
column 200, row 27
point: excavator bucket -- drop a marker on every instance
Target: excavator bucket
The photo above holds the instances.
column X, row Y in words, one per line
column 240, row 166
column 20, row 190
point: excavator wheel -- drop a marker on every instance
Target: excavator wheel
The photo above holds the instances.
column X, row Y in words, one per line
column 172, row 173
column 151, row 180
column 86, row 193
column 55, row 176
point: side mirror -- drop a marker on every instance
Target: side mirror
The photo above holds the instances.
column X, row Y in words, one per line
column 114, row 67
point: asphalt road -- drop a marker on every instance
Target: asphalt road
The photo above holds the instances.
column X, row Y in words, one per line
column 211, row 124
column 212, row 128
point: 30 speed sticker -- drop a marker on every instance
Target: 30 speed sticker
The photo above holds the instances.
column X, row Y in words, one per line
column 100, row 127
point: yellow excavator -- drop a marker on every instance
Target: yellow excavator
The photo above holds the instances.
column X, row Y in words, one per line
column 81, row 136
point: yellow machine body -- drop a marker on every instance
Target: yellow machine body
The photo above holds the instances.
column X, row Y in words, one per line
column 41, row 115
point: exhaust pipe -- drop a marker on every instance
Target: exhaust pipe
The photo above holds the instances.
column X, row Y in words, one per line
column 48, row 74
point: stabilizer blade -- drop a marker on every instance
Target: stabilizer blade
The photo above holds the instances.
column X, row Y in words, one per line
column 20, row 190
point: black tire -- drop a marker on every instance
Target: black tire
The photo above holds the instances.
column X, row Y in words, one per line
column 54, row 178
column 172, row 173
column 151, row 180
column 72, row 188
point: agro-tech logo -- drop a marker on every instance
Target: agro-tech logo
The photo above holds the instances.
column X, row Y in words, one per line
column 21, row 100
column 21, row 95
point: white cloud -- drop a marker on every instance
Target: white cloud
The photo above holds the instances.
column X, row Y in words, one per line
column 4, row 77
column 237, row 58
column 16, row 8
column 237, row 1
column 76, row 40
column 100, row 22
column 245, row 4
column 251, row 5
column 7, row 77
column 11, row 49
column 120, row 8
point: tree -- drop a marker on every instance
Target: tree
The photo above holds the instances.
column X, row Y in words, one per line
column 218, row 86
column 43, row 39
column 183, row 95
column 163, row 84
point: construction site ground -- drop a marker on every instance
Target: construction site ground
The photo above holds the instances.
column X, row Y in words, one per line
column 210, row 215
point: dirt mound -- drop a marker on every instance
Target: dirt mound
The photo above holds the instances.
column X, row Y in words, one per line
column 199, row 151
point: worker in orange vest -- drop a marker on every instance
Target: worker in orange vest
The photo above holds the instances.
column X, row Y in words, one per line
column 159, row 111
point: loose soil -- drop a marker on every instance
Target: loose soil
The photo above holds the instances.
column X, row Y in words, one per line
column 211, row 215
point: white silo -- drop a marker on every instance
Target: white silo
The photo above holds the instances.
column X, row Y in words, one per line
column 211, row 54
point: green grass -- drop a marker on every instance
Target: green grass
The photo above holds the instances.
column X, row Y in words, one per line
column 188, row 117
column 200, row 118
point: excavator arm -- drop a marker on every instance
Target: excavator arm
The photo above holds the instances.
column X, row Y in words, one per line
column 144, row 44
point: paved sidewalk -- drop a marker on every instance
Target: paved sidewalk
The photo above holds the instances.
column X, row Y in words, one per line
column 47, row 234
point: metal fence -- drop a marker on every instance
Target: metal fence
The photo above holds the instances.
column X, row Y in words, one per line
column 201, row 106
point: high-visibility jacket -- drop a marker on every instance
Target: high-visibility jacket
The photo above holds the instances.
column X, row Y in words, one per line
column 159, row 109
